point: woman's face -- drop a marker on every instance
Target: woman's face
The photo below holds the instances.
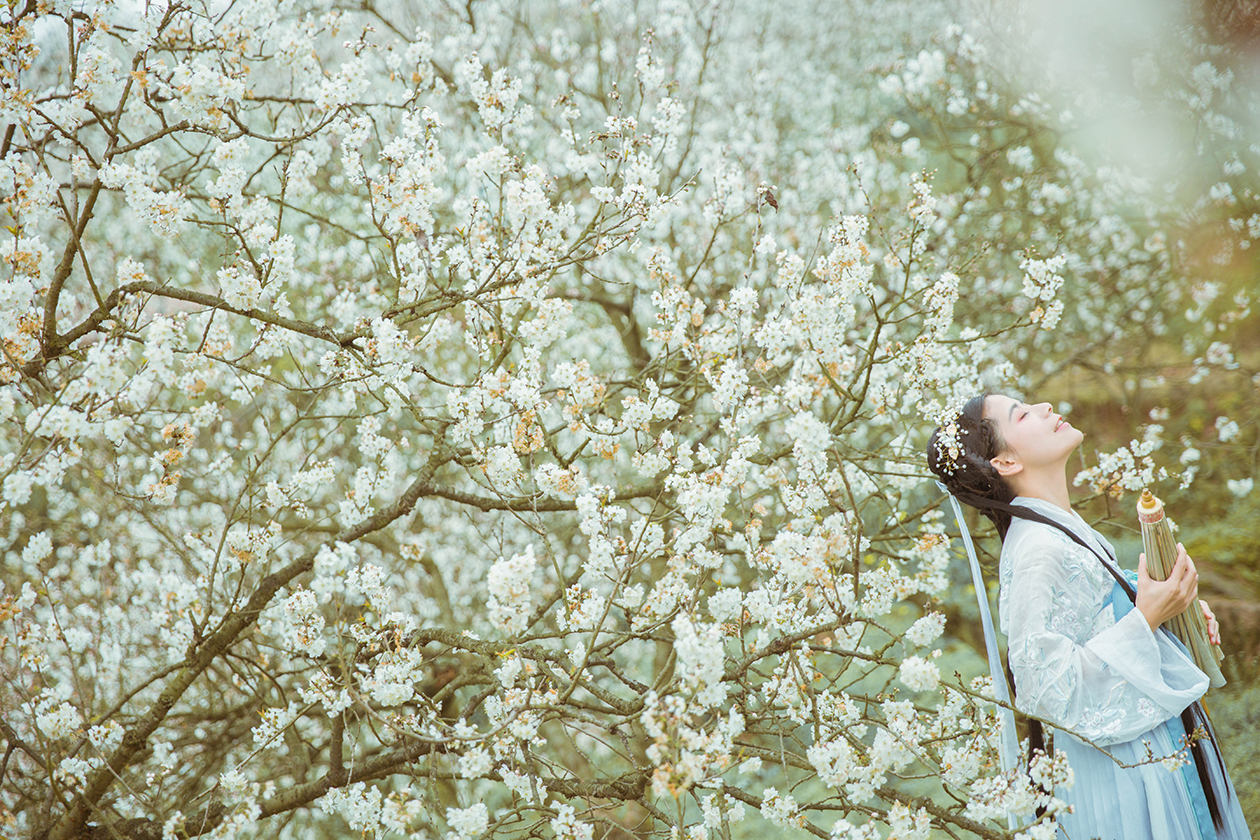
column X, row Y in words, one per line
column 1034, row 435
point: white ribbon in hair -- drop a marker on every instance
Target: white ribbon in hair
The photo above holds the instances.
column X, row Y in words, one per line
column 1008, row 749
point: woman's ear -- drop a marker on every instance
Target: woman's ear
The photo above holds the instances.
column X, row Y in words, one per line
column 1006, row 465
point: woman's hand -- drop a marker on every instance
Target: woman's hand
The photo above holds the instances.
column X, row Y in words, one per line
column 1160, row 600
column 1213, row 628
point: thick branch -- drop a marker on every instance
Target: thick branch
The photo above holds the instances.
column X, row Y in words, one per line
column 60, row 344
column 943, row 815
column 51, row 344
column 527, row 503
column 735, row 671
column 133, row 742
column 143, row 828
column 628, row 786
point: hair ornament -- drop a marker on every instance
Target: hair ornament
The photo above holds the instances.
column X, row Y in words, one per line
column 950, row 445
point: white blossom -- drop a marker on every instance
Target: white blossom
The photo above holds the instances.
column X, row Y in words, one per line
column 509, row 583
column 926, row 630
column 919, row 674
column 467, row 823
column 1240, row 487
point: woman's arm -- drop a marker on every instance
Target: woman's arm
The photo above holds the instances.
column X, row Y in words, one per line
column 1108, row 686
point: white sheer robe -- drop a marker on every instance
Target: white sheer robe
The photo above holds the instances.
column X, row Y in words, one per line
column 1106, row 680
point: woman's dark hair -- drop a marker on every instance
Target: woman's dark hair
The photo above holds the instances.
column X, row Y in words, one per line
column 960, row 454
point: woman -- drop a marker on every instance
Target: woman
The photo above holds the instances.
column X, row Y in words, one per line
column 1084, row 641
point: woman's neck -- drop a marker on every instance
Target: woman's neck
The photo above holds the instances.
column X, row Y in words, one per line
column 1049, row 487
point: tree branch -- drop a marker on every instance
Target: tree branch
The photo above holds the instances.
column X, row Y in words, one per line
column 71, row 824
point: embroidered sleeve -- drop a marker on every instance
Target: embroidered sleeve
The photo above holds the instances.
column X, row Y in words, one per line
column 1107, row 684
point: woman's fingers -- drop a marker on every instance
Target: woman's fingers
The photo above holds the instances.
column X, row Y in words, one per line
column 1192, row 575
column 1213, row 626
column 1160, row 600
column 1184, row 576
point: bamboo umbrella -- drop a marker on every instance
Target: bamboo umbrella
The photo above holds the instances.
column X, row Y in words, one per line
column 1190, row 628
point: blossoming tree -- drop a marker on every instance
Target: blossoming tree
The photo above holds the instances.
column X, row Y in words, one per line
column 494, row 422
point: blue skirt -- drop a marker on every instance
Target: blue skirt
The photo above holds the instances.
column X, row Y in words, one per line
column 1149, row 801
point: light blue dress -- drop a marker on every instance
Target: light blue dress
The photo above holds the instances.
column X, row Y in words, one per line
column 1086, row 661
